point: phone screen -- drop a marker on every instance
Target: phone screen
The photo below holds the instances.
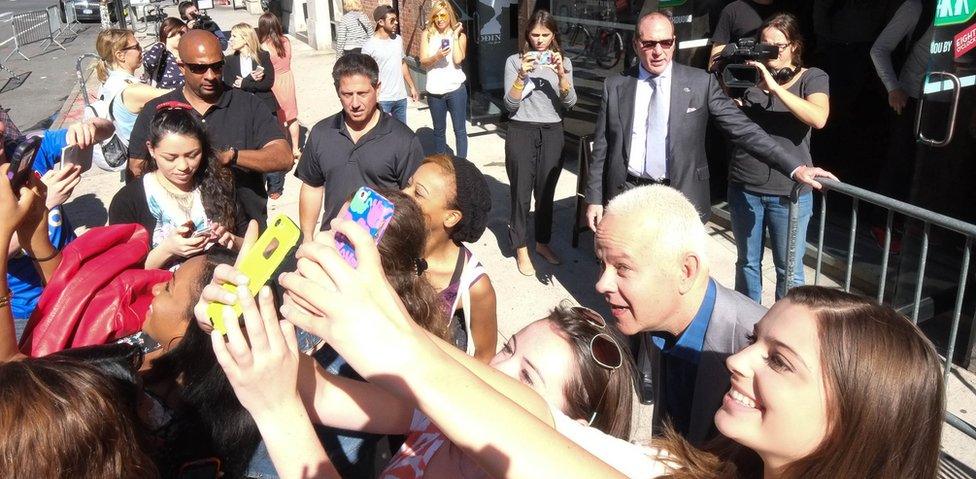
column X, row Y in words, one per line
column 22, row 162
column 445, row 43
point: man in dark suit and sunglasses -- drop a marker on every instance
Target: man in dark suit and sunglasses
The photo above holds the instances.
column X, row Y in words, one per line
column 243, row 130
column 651, row 127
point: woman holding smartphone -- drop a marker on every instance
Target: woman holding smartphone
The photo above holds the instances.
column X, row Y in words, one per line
column 539, row 86
column 185, row 199
column 443, row 47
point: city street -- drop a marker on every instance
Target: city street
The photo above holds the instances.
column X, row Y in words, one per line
column 51, row 87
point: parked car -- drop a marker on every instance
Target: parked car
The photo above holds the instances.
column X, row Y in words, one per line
column 87, row 10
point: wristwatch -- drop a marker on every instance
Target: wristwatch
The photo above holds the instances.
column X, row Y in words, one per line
column 233, row 158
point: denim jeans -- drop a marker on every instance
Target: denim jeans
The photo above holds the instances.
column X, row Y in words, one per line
column 752, row 215
column 397, row 108
column 457, row 103
column 352, row 453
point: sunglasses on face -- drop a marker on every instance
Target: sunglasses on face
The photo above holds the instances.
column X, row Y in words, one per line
column 652, row 44
column 441, row 15
column 201, row 68
column 133, row 47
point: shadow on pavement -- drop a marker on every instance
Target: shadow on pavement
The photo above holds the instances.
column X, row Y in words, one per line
column 86, row 210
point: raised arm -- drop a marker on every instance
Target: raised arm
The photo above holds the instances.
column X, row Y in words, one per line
column 15, row 211
column 361, row 307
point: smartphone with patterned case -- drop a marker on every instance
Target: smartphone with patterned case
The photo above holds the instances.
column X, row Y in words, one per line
column 370, row 210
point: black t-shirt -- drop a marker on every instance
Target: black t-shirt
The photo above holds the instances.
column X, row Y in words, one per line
column 742, row 19
column 385, row 157
column 239, row 119
column 773, row 116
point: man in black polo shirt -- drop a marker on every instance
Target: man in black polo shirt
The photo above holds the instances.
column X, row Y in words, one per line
column 243, row 132
column 358, row 146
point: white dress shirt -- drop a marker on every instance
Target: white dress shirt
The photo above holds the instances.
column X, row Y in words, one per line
column 642, row 98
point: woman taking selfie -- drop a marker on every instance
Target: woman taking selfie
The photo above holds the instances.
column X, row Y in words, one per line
column 186, row 199
column 443, row 48
column 803, row 403
column 789, row 102
column 539, row 86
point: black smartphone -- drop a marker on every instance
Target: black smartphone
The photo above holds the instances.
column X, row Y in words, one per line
column 22, row 162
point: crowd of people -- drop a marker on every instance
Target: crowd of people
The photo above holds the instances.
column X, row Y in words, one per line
column 112, row 367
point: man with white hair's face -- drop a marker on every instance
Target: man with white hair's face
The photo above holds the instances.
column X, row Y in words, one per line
column 641, row 290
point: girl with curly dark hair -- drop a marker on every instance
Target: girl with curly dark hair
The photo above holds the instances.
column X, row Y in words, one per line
column 455, row 200
column 185, row 199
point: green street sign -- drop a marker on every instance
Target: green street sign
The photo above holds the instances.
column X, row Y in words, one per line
column 670, row 3
column 952, row 12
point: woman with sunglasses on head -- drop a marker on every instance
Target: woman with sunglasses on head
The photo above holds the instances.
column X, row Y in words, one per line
column 185, row 200
column 803, row 403
column 443, row 47
column 531, row 369
column 123, row 93
column 539, row 86
column 159, row 62
column 788, row 103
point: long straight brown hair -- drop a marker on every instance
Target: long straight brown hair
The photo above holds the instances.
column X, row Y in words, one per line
column 541, row 18
column 269, row 28
column 885, row 400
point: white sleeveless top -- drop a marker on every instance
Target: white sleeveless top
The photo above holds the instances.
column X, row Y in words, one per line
column 444, row 76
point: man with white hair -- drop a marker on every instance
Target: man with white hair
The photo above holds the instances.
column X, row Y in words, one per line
column 651, row 245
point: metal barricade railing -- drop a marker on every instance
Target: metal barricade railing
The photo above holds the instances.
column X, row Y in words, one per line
column 31, row 27
column 70, row 18
column 926, row 217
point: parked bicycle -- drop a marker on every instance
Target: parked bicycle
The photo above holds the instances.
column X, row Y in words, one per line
column 603, row 45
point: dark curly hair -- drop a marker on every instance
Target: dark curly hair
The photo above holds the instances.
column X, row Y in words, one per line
column 470, row 196
column 215, row 182
column 401, row 248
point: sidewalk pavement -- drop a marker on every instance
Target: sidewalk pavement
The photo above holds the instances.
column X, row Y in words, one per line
column 520, row 299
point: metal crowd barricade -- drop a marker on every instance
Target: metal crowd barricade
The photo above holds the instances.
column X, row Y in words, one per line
column 927, row 218
column 31, row 27
column 70, row 18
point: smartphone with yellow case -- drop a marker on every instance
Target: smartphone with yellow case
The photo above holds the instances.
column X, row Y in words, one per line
column 276, row 245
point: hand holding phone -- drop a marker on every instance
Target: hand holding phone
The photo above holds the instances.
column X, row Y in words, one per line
column 261, row 262
column 22, row 163
column 370, row 210
column 73, row 155
column 544, row 57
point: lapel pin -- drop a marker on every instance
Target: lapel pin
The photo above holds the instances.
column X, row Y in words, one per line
column 686, row 89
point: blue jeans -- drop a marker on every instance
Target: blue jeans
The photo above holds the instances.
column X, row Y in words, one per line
column 397, row 108
column 753, row 214
column 457, row 103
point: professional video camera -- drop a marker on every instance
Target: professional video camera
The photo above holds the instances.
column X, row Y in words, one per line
column 732, row 62
column 202, row 21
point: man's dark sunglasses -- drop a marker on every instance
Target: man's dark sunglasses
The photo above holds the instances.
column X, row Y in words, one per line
column 651, row 44
column 201, row 68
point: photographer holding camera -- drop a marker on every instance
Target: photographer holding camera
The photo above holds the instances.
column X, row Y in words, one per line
column 201, row 21
column 787, row 102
